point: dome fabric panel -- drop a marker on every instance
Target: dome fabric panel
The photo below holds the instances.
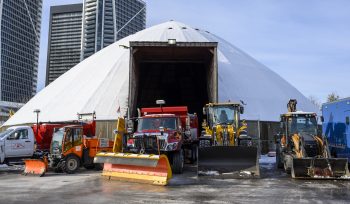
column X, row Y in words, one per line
column 100, row 83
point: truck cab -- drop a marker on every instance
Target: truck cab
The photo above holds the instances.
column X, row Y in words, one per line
column 17, row 142
column 164, row 130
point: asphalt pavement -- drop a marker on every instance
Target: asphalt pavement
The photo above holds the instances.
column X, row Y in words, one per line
column 274, row 186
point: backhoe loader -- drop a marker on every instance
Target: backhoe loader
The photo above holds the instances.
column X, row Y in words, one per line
column 225, row 150
column 302, row 150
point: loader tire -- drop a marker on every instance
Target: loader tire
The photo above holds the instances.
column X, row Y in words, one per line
column 72, row 164
column 178, row 162
column 194, row 152
column 287, row 164
column 279, row 163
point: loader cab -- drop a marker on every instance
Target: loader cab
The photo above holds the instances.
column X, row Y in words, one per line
column 301, row 123
column 223, row 114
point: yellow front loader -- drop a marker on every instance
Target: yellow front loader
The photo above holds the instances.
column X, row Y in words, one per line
column 144, row 168
column 225, row 150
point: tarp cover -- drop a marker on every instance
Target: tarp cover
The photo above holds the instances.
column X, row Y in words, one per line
column 100, row 83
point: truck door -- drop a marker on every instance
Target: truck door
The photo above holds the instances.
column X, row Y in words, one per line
column 18, row 144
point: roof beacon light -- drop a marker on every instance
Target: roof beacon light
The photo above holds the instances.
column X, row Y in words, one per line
column 172, row 41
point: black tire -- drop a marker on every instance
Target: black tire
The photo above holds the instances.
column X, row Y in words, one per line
column 194, row 152
column 279, row 162
column 72, row 164
column 287, row 164
column 58, row 170
column 178, row 162
column 98, row 167
column 89, row 166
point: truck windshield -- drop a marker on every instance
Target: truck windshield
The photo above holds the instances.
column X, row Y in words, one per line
column 57, row 140
column 223, row 114
column 3, row 134
column 302, row 124
column 155, row 123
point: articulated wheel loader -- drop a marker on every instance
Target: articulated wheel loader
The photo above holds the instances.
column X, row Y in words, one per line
column 225, row 150
column 302, row 150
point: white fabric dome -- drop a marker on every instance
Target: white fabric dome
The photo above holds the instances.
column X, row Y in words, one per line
column 100, row 83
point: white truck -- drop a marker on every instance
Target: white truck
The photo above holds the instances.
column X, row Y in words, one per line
column 16, row 143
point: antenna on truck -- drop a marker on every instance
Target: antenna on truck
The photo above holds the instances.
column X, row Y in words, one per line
column 160, row 103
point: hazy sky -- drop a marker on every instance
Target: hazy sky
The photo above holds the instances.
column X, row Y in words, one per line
column 306, row 42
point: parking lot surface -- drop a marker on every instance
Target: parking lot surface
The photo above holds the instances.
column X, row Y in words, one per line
column 89, row 187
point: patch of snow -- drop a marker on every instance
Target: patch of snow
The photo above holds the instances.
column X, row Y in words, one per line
column 3, row 166
column 267, row 160
column 246, row 172
column 209, row 173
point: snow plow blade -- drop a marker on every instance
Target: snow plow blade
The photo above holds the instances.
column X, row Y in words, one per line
column 320, row 168
column 228, row 162
column 143, row 168
column 36, row 167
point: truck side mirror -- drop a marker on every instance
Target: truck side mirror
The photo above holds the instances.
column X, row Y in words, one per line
column 322, row 118
column 130, row 125
column 281, row 125
column 161, row 129
column 241, row 109
column 277, row 137
column 347, row 120
column 204, row 111
column 188, row 123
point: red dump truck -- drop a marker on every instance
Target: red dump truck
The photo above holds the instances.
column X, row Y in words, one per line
column 164, row 138
column 166, row 130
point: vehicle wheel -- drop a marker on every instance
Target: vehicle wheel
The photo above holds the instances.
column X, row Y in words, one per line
column 98, row 167
column 89, row 166
column 58, row 170
column 279, row 163
column 178, row 162
column 204, row 143
column 72, row 164
column 288, row 164
column 194, row 152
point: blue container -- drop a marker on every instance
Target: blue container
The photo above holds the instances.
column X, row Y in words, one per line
column 336, row 127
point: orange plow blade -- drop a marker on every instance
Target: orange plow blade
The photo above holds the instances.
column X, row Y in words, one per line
column 143, row 168
column 35, row 167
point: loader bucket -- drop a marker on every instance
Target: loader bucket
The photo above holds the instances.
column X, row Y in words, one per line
column 228, row 162
column 144, row 168
column 320, row 168
column 35, row 167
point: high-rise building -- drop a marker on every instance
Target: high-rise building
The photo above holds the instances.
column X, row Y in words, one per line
column 19, row 53
column 106, row 21
column 64, row 40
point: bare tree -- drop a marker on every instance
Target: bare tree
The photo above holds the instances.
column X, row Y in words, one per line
column 333, row 97
column 314, row 100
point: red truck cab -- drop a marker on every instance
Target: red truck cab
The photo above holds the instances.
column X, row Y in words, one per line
column 166, row 130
